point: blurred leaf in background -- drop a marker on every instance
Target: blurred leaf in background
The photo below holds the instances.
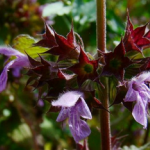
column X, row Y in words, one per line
column 19, row 16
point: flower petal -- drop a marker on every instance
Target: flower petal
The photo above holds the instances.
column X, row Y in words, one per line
column 16, row 72
column 131, row 94
column 145, row 76
column 8, row 51
column 139, row 112
column 83, row 109
column 67, row 99
column 145, row 93
column 63, row 114
column 78, row 127
column 4, row 76
column 21, row 61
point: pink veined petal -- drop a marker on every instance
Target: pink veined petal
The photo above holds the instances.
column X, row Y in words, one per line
column 142, row 87
column 131, row 94
column 63, row 114
column 146, row 91
column 80, row 131
column 8, row 51
column 144, row 97
column 21, row 61
column 4, row 76
column 148, row 94
column 83, row 109
column 78, row 127
column 145, row 76
column 148, row 77
column 139, row 112
column 67, row 99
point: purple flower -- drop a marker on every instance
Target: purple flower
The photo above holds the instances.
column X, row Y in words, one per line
column 21, row 60
column 16, row 72
column 138, row 91
column 73, row 106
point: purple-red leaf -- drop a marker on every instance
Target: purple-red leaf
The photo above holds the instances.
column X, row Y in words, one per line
column 85, row 69
column 146, row 65
column 41, row 72
column 54, row 109
column 121, row 92
column 134, row 39
column 97, row 104
column 92, row 101
column 116, row 62
column 33, row 62
column 84, row 146
column 66, row 48
column 48, row 38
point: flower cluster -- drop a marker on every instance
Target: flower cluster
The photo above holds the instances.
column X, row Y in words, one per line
column 74, row 109
column 74, row 74
column 73, row 79
column 138, row 91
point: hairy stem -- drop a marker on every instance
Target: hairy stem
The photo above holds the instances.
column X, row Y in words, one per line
column 101, row 44
column 101, row 25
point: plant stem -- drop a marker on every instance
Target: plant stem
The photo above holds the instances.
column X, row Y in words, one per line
column 101, row 44
column 101, row 25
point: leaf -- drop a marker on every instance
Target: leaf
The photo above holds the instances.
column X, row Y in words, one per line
column 20, row 133
column 121, row 92
column 116, row 62
column 83, row 15
column 133, row 147
column 56, row 8
column 66, row 48
column 48, row 39
column 84, row 146
column 85, row 69
column 24, row 44
column 134, row 39
column 38, row 74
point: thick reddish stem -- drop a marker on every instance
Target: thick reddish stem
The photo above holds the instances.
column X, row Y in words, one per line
column 101, row 44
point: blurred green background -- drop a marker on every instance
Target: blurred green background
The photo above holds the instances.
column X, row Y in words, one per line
column 25, row 124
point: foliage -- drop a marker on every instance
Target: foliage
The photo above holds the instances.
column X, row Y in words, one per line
column 25, row 121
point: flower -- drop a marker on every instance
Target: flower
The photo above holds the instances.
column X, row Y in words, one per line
column 21, row 60
column 138, row 91
column 73, row 106
column 85, row 68
column 65, row 48
column 116, row 62
column 136, row 39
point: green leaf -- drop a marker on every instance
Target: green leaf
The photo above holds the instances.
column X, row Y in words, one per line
column 24, row 44
column 57, row 8
column 21, row 133
column 133, row 147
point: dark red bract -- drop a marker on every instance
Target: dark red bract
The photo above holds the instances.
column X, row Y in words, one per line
column 85, row 68
column 135, row 39
column 116, row 62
